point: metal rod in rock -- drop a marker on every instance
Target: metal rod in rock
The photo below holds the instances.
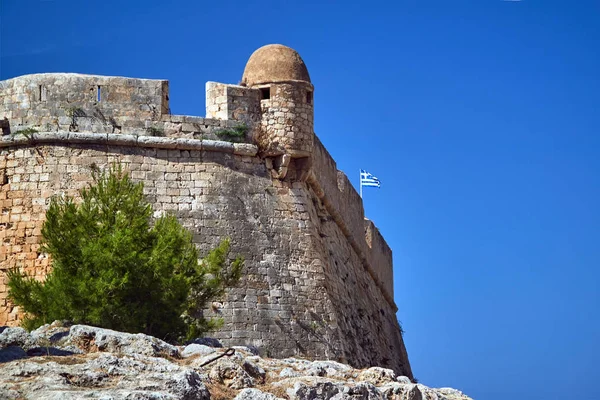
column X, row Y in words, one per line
column 229, row 352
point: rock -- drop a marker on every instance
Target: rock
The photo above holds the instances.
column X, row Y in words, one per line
column 210, row 342
column 361, row 391
column 322, row 390
column 403, row 379
column 288, row 373
column 196, row 349
column 188, row 385
column 330, row 369
column 254, row 370
column 103, row 375
column 450, row 392
column 119, row 365
column 16, row 337
column 54, row 333
column 9, row 394
column 230, row 374
column 377, row 375
column 255, row 394
column 315, row 370
column 247, row 349
column 44, row 341
column 399, row 391
column 442, row 393
column 89, row 338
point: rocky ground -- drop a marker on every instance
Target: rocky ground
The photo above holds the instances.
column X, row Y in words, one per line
column 76, row 362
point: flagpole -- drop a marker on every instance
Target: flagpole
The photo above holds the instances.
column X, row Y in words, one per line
column 360, row 179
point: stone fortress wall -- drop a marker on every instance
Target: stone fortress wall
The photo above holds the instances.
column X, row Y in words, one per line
column 319, row 278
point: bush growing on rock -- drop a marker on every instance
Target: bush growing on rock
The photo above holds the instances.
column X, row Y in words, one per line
column 113, row 267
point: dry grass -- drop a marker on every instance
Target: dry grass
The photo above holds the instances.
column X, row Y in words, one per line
column 278, row 391
column 220, row 392
column 188, row 360
column 63, row 360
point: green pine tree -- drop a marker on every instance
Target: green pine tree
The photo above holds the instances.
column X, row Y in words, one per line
column 112, row 267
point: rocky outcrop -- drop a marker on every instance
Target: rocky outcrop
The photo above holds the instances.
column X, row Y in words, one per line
column 74, row 362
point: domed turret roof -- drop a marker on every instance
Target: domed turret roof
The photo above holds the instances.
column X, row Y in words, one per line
column 274, row 63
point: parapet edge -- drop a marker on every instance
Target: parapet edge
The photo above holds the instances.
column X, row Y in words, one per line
column 43, row 75
column 66, row 138
column 343, row 202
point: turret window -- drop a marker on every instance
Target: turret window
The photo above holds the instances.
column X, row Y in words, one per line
column 309, row 97
column 265, row 93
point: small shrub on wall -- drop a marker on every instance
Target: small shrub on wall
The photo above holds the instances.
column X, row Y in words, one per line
column 236, row 134
column 112, row 266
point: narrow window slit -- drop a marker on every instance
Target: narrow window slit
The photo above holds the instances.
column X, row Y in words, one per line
column 99, row 94
column 42, row 93
column 265, row 93
column 309, row 97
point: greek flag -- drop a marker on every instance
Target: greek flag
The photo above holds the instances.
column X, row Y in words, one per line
column 368, row 179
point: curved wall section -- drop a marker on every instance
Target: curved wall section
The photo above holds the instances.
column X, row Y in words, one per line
column 304, row 290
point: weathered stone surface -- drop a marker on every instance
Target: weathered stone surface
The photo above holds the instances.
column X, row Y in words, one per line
column 290, row 301
column 187, row 385
column 249, row 349
column 153, row 141
column 196, row 349
column 100, row 376
column 89, row 338
column 40, row 342
column 311, row 388
column 81, row 102
column 230, row 374
column 245, row 149
column 189, row 144
column 397, row 391
column 83, row 137
column 15, row 337
column 287, row 120
column 254, row 370
column 53, row 332
column 377, row 375
column 122, row 140
column 14, row 140
column 216, row 145
column 319, row 388
column 288, row 373
column 255, row 394
column 120, row 365
column 450, row 393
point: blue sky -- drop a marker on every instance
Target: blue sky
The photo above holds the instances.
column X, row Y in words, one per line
column 481, row 118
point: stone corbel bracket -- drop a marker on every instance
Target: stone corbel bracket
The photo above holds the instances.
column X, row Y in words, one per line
column 278, row 165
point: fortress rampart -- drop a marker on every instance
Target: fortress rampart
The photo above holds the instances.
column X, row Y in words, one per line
column 318, row 276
